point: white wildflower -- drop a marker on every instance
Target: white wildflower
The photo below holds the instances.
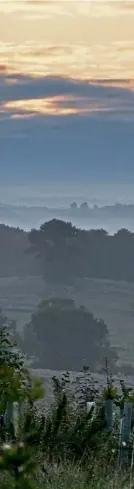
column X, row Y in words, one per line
column 7, row 446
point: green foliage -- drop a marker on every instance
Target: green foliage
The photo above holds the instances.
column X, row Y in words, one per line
column 13, row 375
column 8, row 348
column 127, row 392
column 16, row 385
column 17, row 455
column 86, row 388
column 19, row 462
column 72, row 476
column 110, row 391
column 46, row 439
column 68, row 429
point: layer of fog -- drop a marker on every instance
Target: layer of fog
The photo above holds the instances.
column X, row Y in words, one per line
column 61, row 194
column 58, row 196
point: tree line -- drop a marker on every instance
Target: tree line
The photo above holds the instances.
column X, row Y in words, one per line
column 62, row 253
column 65, row 252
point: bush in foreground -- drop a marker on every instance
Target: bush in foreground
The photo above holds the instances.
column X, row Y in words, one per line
column 63, row 448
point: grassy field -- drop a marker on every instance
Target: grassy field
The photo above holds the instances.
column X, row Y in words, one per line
column 112, row 301
column 72, row 477
column 69, row 476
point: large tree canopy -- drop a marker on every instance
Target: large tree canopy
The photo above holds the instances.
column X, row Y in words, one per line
column 57, row 246
column 67, row 252
column 65, row 337
column 62, row 253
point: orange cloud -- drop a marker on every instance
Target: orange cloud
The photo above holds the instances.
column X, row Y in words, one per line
column 127, row 5
column 22, row 116
column 42, row 106
column 71, row 38
column 3, row 69
column 125, row 84
column 66, row 105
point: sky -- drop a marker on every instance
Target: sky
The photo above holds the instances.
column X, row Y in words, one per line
column 66, row 92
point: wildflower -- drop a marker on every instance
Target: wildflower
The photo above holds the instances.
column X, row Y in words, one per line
column 20, row 444
column 21, row 469
column 6, row 446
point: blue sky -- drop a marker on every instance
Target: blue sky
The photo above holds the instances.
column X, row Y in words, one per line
column 66, row 91
column 96, row 142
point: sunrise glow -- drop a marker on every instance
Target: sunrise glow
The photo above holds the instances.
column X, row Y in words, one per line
column 87, row 39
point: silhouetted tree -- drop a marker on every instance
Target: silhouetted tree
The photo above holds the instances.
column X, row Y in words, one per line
column 67, row 253
column 65, row 337
column 62, row 253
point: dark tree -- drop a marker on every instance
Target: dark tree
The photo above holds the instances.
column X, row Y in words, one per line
column 62, row 253
column 56, row 244
column 65, row 337
column 68, row 253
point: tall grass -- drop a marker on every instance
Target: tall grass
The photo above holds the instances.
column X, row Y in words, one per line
column 65, row 448
column 72, row 476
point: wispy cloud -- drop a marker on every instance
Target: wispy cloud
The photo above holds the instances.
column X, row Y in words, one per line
column 58, row 96
column 126, row 5
column 87, row 39
column 3, row 68
column 78, row 61
column 41, row 9
column 43, row 106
